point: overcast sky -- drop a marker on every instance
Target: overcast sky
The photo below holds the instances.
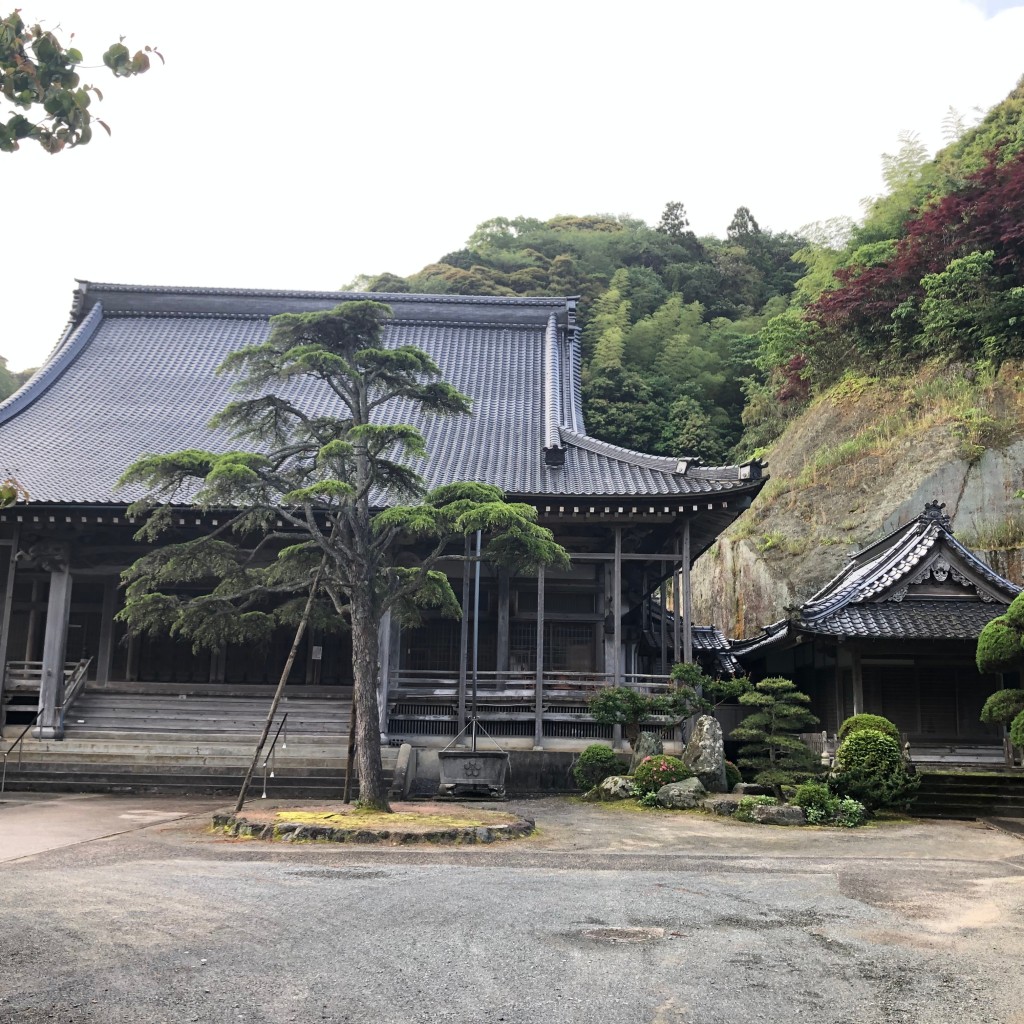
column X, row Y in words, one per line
column 298, row 145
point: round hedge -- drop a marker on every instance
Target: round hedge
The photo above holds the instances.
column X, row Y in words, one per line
column 654, row 772
column 999, row 646
column 857, row 722
column 594, row 765
column 1014, row 615
column 732, row 776
column 869, row 767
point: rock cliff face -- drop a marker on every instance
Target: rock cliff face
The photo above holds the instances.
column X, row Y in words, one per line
column 860, row 462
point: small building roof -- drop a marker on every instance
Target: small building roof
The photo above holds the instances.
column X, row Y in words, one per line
column 917, row 583
column 134, row 374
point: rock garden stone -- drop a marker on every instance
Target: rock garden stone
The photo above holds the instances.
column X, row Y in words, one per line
column 705, row 754
column 616, row 787
column 788, row 814
column 647, row 745
column 682, row 796
column 720, row 805
column 751, row 789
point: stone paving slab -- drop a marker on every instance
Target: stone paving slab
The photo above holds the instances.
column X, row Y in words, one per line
column 33, row 823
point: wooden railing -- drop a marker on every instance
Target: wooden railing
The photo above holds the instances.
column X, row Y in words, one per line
column 428, row 703
column 26, row 675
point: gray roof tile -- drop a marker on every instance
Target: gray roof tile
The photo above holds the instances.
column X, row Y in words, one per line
column 135, row 375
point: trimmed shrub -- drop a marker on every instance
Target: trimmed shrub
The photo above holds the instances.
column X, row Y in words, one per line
column 594, row 765
column 732, row 775
column 869, row 768
column 999, row 647
column 857, row 722
column 654, row 772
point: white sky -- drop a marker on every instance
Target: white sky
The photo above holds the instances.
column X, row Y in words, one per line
column 297, row 145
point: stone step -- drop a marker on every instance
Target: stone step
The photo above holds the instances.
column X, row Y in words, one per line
column 279, row 788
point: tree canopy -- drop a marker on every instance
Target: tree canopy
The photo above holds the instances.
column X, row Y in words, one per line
column 43, row 93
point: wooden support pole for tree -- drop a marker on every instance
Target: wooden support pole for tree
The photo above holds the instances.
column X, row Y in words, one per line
column 279, row 692
column 464, row 639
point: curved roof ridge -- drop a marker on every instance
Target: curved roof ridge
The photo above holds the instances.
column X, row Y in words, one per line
column 920, row 545
column 659, row 463
column 63, row 355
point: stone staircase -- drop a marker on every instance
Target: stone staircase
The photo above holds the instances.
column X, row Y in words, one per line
column 970, row 793
column 198, row 744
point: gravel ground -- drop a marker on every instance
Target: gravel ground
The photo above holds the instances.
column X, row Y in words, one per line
column 606, row 914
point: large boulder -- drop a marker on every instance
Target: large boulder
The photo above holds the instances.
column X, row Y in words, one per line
column 787, row 814
column 682, row 796
column 705, row 754
column 616, row 787
column 647, row 745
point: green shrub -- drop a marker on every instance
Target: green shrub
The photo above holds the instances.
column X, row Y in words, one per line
column 999, row 647
column 747, row 804
column 594, row 765
column 857, row 722
column 654, row 772
column 732, row 776
column 851, row 813
column 649, row 799
column 823, row 807
column 869, row 767
column 820, row 804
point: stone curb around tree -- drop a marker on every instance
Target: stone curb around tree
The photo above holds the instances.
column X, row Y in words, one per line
column 287, row 832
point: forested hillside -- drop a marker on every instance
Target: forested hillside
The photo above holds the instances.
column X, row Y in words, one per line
column 671, row 321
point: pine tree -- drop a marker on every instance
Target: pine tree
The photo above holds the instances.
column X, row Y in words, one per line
column 326, row 476
column 772, row 745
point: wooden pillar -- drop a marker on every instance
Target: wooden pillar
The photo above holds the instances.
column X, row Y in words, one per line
column 538, row 711
column 51, row 684
column 503, row 620
column 687, row 639
column 858, row 683
column 218, row 665
column 131, row 668
column 5, row 615
column 617, row 605
column 664, row 628
column 677, row 601
column 106, row 647
column 33, row 622
column 464, row 639
column 384, row 663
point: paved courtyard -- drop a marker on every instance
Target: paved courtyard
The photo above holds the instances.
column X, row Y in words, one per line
column 125, row 909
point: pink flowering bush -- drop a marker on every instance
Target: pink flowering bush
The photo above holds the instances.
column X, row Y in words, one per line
column 654, row 772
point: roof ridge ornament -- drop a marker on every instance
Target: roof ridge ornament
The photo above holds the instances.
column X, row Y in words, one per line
column 933, row 513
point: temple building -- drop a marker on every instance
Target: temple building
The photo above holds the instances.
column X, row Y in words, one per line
column 134, row 373
column 895, row 634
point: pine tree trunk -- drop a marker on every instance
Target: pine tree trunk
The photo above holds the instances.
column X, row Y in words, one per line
column 365, row 670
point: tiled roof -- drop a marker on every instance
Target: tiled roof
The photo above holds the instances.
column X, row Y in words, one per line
column 912, row 620
column 925, row 549
column 917, row 583
column 134, row 374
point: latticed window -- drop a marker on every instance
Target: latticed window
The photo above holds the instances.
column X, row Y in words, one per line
column 568, row 646
column 435, row 646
